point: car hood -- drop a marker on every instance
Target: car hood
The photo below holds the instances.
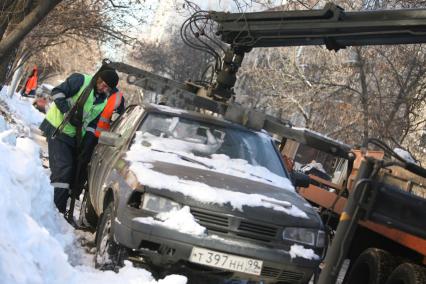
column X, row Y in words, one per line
column 236, row 184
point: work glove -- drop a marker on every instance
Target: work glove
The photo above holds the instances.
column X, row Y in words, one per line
column 74, row 121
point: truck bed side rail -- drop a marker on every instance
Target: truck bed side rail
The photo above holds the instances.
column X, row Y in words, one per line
column 398, row 209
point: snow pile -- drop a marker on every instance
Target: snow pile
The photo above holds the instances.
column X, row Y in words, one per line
column 141, row 151
column 7, row 135
column 181, row 220
column 313, row 164
column 37, row 245
column 21, row 108
column 301, row 251
column 142, row 156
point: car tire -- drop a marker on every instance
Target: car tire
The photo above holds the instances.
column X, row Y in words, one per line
column 372, row 266
column 88, row 217
column 109, row 254
column 408, row 273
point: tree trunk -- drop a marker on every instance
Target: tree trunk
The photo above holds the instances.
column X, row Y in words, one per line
column 13, row 38
column 364, row 93
column 4, row 67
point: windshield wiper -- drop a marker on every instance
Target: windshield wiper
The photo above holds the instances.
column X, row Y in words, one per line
column 185, row 158
column 253, row 175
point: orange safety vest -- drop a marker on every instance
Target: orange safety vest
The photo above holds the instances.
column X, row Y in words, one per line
column 31, row 82
column 104, row 122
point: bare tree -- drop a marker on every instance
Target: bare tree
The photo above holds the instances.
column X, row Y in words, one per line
column 17, row 19
column 89, row 22
column 351, row 95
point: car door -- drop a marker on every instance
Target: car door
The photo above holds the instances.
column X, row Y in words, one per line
column 104, row 157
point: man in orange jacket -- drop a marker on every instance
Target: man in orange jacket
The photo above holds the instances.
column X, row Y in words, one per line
column 30, row 86
column 115, row 104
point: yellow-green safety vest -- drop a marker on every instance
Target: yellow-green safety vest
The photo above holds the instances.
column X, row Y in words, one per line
column 90, row 111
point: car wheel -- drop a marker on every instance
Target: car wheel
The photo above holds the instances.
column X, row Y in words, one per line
column 88, row 217
column 109, row 254
column 371, row 267
column 408, row 273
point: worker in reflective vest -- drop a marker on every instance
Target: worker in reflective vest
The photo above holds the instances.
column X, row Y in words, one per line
column 114, row 105
column 63, row 147
column 31, row 84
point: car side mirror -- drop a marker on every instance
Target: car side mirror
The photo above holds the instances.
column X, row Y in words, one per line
column 300, row 179
column 110, row 139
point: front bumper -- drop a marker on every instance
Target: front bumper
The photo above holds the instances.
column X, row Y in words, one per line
column 169, row 247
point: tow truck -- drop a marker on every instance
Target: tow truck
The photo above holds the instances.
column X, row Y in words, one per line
column 378, row 221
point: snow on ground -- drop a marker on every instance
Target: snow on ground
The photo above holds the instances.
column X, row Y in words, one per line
column 141, row 157
column 22, row 109
column 37, row 244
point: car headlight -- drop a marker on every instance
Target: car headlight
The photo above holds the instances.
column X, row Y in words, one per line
column 159, row 204
column 306, row 236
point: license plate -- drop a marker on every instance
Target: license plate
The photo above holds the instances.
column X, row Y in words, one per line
column 226, row 261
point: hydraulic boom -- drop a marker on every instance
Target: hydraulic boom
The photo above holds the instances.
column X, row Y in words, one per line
column 330, row 26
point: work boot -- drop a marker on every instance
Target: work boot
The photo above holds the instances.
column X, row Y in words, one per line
column 60, row 197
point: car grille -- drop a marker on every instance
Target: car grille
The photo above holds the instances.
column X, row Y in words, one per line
column 284, row 276
column 227, row 224
column 290, row 276
column 213, row 222
column 270, row 272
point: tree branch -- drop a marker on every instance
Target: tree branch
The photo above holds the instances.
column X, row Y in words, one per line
column 26, row 25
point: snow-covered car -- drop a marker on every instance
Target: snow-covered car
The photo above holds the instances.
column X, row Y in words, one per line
column 181, row 189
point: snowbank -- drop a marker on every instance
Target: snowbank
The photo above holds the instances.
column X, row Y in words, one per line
column 37, row 245
column 22, row 108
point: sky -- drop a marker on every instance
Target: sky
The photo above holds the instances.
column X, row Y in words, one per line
column 38, row 245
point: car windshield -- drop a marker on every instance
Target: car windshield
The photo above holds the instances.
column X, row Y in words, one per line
column 176, row 134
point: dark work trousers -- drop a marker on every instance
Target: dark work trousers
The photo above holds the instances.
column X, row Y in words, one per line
column 87, row 146
column 62, row 164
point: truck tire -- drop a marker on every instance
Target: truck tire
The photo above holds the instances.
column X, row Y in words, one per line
column 372, row 266
column 408, row 273
column 109, row 254
column 88, row 217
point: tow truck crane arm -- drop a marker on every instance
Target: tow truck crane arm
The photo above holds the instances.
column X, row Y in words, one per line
column 330, row 26
column 336, row 29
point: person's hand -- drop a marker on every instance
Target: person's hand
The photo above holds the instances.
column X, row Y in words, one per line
column 75, row 122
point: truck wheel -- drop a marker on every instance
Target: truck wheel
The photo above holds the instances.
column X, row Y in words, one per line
column 109, row 254
column 408, row 273
column 371, row 267
column 88, row 217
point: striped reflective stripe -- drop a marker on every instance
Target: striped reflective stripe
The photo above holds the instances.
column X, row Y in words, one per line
column 58, row 96
column 61, row 185
column 117, row 100
column 70, row 102
column 104, row 119
column 90, row 129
